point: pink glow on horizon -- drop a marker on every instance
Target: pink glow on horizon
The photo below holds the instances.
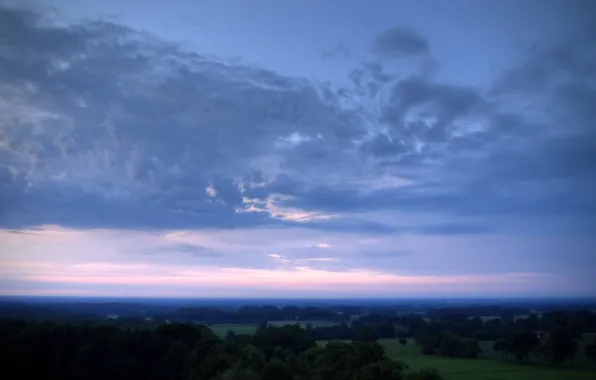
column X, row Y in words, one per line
column 62, row 261
column 295, row 278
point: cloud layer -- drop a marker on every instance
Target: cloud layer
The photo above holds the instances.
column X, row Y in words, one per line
column 104, row 127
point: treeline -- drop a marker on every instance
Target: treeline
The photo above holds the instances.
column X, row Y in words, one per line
column 188, row 352
column 79, row 311
column 552, row 336
column 132, row 313
column 477, row 311
column 387, row 326
column 256, row 314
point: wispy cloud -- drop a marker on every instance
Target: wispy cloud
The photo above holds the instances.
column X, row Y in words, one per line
column 388, row 254
column 187, row 249
column 294, row 279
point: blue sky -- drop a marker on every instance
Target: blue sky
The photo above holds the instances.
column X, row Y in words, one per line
column 297, row 148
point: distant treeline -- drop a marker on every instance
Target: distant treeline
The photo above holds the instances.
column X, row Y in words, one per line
column 194, row 311
column 257, row 314
column 388, row 326
column 478, row 311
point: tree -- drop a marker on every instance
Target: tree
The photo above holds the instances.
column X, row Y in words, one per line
column 424, row 374
column 428, row 343
column 365, row 334
column 503, row 346
column 290, row 337
column 368, row 352
column 382, row 370
column 253, row 358
column 590, row 351
column 186, row 352
column 236, row 372
column 523, row 343
column 471, row 348
column 336, row 361
column 451, row 345
column 230, row 336
column 276, row 370
column 172, row 363
column 561, row 346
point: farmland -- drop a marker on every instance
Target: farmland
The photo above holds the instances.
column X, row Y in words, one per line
column 488, row 367
column 222, row 329
column 303, row 324
column 478, row 369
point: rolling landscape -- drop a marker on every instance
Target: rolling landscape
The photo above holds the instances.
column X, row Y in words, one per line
column 394, row 339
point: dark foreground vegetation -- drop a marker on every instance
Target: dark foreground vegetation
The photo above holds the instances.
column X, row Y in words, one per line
column 183, row 351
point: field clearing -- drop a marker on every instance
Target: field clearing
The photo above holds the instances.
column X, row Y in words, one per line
column 303, row 324
column 222, row 329
column 477, row 369
column 491, row 317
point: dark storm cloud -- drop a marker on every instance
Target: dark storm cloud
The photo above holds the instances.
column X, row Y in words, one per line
column 465, row 197
column 399, row 42
column 444, row 103
column 562, row 75
column 104, row 126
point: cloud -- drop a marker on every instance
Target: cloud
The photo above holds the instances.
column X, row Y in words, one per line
column 522, row 148
column 338, row 52
column 399, row 42
column 186, row 249
column 64, row 254
column 107, row 126
column 184, row 280
column 386, row 254
column 103, row 126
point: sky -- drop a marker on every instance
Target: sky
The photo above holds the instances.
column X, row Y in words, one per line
column 285, row 148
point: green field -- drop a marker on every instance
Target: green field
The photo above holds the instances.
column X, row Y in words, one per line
column 489, row 367
column 222, row 329
column 478, row 369
column 303, row 324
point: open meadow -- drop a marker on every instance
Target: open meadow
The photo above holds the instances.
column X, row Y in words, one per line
column 489, row 367
column 303, row 324
column 238, row 328
column 222, row 329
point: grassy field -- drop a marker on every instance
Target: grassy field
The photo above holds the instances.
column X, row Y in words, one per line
column 478, row 369
column 222, row 329
column 303, row 324
column 489, row 367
